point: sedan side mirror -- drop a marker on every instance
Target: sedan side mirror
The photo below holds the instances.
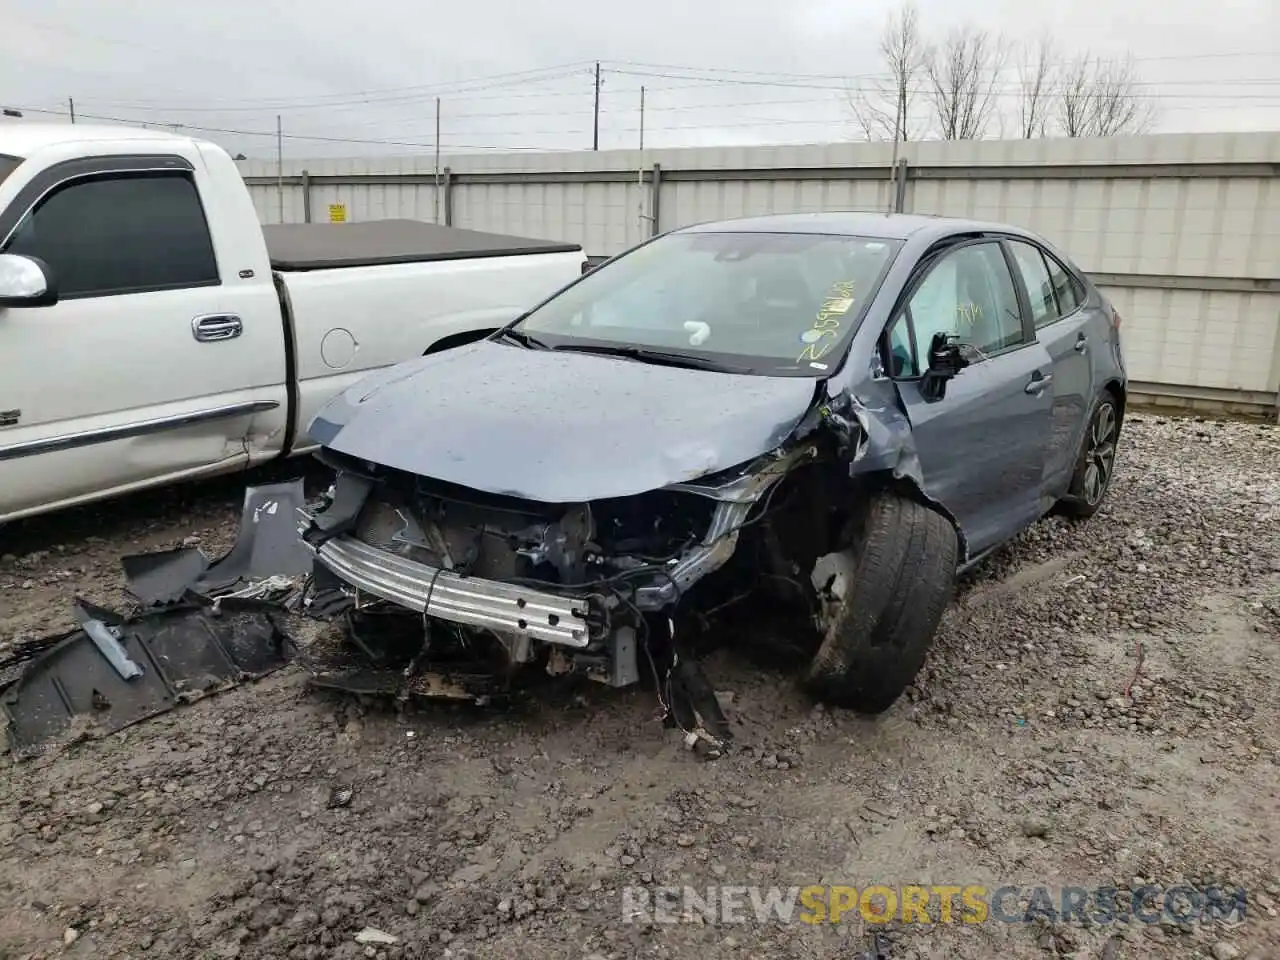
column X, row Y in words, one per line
column 26, row 282
column 945, row 361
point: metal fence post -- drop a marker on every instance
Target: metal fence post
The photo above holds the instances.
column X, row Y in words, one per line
column 306, row 196
column 655, row 197
column 900, row 186
column 446, row 184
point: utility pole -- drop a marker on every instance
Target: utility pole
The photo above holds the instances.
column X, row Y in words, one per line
column 280, row 165
column 71, row 106
column 436, row 192
column 595, row 126
column 899, row 125
column 642, row 118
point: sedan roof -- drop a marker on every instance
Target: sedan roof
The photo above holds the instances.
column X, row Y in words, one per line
column 880, row 226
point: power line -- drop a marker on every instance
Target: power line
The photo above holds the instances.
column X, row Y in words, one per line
column 707, row 74
column 688, row 78
column 1010, row 88
column 756, row 123
column 1264, row 101
column 709, row 83
column 425, row 97
column 186, row 55
column 834, row 87
column 134, row 121
column 423, row 92
column 1272, row 55
column 742, row 123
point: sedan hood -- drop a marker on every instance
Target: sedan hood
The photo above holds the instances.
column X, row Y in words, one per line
column 558, row 426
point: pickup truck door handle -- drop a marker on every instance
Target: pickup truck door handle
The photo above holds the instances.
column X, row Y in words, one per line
column 216, row 326
column 1037, row 383
column 1082, row 343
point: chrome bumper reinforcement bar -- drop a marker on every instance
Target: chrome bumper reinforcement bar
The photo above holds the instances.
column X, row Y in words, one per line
column 505, row 607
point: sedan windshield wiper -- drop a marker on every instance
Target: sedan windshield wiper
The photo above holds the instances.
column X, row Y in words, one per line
column 524, row 339
column 647, row 355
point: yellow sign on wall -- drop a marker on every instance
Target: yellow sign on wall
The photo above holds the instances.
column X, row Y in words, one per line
column 337, row 213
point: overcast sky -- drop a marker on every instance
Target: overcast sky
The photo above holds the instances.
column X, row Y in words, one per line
column 366, row 74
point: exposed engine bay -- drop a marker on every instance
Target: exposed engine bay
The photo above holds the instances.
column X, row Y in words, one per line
column 588, row 588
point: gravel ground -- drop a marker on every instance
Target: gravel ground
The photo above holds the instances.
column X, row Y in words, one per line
column 1101, row 709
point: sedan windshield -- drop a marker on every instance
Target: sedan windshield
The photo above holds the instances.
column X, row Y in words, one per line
column 770, row 303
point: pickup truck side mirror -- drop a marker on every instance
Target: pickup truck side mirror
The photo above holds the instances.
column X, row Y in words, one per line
column 26, row 282
column 945, row 361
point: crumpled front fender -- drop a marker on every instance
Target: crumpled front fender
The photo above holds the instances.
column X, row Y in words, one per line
column 876, row 437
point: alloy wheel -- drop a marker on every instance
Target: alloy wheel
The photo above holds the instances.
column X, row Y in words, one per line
column 1100, row 453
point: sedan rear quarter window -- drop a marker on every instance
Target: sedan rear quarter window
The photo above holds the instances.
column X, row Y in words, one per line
column 1065, row 287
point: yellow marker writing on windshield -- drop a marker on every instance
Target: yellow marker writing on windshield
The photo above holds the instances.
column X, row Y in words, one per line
column 835, row 305
column 813, row 352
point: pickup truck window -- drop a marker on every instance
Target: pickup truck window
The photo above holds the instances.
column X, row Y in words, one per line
column 121, row 234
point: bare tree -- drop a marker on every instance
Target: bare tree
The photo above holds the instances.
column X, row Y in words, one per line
column 1039, row 80
column 1102, row 98
column 883, row 110
column 964, row 75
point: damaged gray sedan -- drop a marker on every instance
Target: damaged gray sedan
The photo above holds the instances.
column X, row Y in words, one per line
column 832, row 414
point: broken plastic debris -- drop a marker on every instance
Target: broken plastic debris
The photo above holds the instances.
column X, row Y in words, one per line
column 73, row 688
column 163, row 577
column 372, row 935
column 267, row 547
column 107, row 640
column 703, row 743
column 340, row 797
column 267, row 543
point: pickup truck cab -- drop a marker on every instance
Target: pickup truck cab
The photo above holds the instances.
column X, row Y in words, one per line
column 151, row 330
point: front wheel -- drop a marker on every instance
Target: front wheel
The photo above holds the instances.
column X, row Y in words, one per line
column 1096, row 462
column 881, row 602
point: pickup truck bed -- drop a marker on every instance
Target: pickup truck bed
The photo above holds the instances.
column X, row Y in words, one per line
column 325, row 246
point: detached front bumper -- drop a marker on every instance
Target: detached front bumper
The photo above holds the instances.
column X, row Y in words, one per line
column 476, row 602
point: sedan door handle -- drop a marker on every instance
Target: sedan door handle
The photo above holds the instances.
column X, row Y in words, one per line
column 1038, row 382
column 216, row 326
column 1082, row 343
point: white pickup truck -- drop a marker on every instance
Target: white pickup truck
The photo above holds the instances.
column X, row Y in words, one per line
column 151, row 330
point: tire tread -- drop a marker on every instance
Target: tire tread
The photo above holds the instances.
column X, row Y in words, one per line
column 904, row 577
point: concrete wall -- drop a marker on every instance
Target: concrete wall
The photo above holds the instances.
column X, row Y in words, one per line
column 1182, row 231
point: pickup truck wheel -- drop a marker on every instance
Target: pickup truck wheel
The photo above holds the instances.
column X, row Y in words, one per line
column 1096, row 462
column 882, row 601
